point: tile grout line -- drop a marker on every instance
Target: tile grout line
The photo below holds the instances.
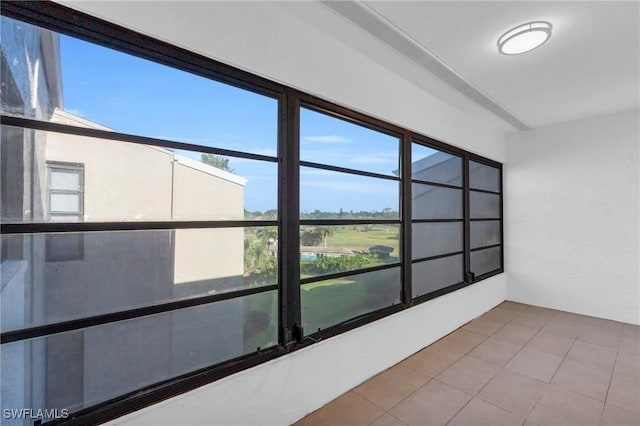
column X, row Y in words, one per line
column 480, row 390
column 434, row 378
column 429, row 378
column 554, row 373
column 613, row 369
column 564, row 358
column 427, row 382
column 503, row 368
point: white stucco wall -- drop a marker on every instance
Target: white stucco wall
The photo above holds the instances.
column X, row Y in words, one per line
column 571, row 208
column 266, row 40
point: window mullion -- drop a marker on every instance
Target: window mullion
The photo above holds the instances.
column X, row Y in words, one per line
column 468, row 276
column 407, row 255
column 289, row 219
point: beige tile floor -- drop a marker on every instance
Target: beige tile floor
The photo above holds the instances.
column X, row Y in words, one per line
column 514, row 365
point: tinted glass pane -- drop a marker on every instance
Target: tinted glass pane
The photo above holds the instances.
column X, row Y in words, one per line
column 65, row 179
column 433, row 202
column 331, row 249
column 483, row 261
column 484, row 206
column 330, row 302
column 332, row 195
column 484, row 177
column 122, row 270
column 66, row 218
column 485, row 233
column 81, row 368
column 147, row 99
column 433, row 275
column 435, row 166
column 64, row 203
column 132, row 182
column 432, row 239
column 64, row 247
column 329, row 140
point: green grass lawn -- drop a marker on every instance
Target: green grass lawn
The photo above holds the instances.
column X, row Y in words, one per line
column 327, row 303
column 330, row 302
column 385, row 235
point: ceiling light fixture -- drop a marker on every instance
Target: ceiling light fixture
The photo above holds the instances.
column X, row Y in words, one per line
column 524, row 38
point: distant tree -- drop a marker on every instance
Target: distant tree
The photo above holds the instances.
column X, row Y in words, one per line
column 270, row 214
column 316, row 236
column 268, row 235
column 259, row 262
column 325, row 232
column 310, row 237
column 217, row 161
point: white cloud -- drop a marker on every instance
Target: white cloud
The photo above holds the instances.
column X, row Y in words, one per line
column 377, row 158
column 316, row 172
column 353, row 187
column 326, row 139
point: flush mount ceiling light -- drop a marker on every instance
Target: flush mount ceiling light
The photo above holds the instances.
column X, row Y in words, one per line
column 524, row 38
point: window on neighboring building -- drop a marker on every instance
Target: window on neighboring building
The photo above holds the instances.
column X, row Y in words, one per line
column 65, row 186
column 65, row 197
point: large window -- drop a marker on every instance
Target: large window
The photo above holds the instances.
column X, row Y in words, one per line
column 437, row 200
column 349, row 216
column 142, row 228
column 485, row 198
column 168, row 220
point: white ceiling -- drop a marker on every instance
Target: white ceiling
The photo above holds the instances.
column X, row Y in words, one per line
column 589, row 67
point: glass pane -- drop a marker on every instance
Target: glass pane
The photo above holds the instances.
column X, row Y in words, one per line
column 485, row 233
column 483, row 261
column 433, row 275
column 484, row 206
column 81, row 368
column 433, row 239
column 435, row 166
column 65, row 179
column 148, row 99
column 127, row 269
column 331, row 302
column 331, row 249
column 64, row 218
column 329, row 140
column 64, row 203
column 332, row 195
column 131, row 182
column 433, row 202
column 484, row 177
column 64, row 247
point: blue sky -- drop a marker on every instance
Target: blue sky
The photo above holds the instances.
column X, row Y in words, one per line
column 136, row 96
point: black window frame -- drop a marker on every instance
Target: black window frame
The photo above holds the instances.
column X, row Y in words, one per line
column 430, row 143
column 68, row 21
column 341, row 113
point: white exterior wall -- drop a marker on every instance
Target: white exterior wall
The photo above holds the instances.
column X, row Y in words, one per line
column 266, row 40
column 571, row 207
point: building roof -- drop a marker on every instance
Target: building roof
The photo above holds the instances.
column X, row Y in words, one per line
column 65, row 117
